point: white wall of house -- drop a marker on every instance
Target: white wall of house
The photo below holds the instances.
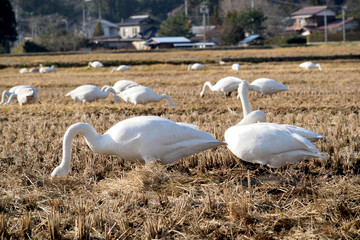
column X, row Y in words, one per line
column 129, row 32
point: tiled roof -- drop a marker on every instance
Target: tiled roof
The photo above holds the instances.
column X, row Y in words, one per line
column 137, row 20
column 309, row 10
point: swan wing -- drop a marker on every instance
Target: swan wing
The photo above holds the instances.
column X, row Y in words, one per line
column 156, row 138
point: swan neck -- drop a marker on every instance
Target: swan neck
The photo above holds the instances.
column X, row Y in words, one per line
column 3, row 96
column 206, row 84
column 243, row 93
column 162, row 96
column 85, row 129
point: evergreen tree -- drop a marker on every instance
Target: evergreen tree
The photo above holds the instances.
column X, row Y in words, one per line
column 98, row 30
column 7, row 26
column 177, row 25
column 232, row 31
column 252, row 21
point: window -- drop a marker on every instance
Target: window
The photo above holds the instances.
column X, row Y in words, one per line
column 134, row 31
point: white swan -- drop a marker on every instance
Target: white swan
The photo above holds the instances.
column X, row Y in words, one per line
column 267, row 86
column 236, row 67
column 143, row 95
column 89, row 93
column 121, row 85
column 310, row 65
column 121, row 68
column 266, row 144
column 47, row 69
column 195, row 66
column 26, row 95
column 143, row 138
column 95, row 64
column 14, row 91
column 34, row 70
column 260, row 117
column 225, row 85
column 24, row 70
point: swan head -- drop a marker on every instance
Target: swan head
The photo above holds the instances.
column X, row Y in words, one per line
column 189, row 67
column 319, row 67
column 243, row 85
column 60, row 171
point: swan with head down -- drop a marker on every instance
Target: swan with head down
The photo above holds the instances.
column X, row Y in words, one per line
column 121, row 85
column 23, row 96
column 266, row 143
column 89, row 93
column 225, row 85
column 142, row 95
column 143, row 138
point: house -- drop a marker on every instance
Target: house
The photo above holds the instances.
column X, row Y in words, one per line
column 109, row 28
column 251, row 40
column 138, row 27
column 166, row 42
column 312, row 19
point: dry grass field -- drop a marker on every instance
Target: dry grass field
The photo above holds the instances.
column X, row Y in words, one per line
column 210, row 195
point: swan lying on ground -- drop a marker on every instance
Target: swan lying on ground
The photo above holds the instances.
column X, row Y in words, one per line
column 310, row 65
column 47, row 69
column 236, row 67
column 195, row 66
column 259, row 116
column 89, row 93
column 266, row 143
column 143, row 138
column 95, row 64
column 14, row 91
column 120, row 68
column 225, row 85
column 267, row 86
column 142, row 95
column 121, row 85
column 24, row 70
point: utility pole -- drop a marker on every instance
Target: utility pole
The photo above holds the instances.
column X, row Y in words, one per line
column 204, row 10
column 325, row 23
column 186, row 8
column 252, row 4
column 343, row 21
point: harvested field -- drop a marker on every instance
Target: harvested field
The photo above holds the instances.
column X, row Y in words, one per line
column 210, row 195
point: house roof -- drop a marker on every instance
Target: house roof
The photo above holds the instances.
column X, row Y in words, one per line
column 309, row 10
column 158, row 40
column 250, row 38
column 138, row 20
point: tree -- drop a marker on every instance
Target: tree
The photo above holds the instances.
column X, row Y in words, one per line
column 98, row 30
column 232, row 31
column 177, row 25
column 7, row 25
column 252, row 21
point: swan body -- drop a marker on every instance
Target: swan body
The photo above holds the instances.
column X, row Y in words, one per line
column 236, row 67
column 310, row 65
column 34, row 70
column 121, row 85
column 24, row 70
column 195, row 66
column 142, row 95
column 14, row 91
column 89, row 93
column 95, row 64
column 269, row 144
column 260, row 117
column 121, row 68
column 143, row 138
column 225, row 85
column 267, row 86
column 26, row 95
column 47, row 69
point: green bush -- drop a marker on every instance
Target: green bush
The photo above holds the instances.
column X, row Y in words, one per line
column 296, row 40
column 33, row 47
